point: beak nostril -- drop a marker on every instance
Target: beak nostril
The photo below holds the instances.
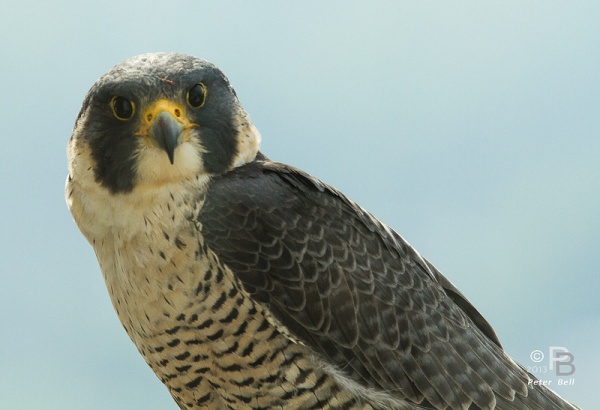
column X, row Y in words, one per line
column 149, row 117
column 177, row 112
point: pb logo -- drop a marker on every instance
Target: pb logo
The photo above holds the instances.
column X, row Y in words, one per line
column 562, row 359
column 559, row 358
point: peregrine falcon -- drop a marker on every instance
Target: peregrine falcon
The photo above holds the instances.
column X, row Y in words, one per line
column 249, row 284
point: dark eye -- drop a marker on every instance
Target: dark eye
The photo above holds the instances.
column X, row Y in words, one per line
column 122, row 108
column 197, row 95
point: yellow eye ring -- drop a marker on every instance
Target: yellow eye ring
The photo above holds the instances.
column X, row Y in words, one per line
column 196, row 96
column 122, row 108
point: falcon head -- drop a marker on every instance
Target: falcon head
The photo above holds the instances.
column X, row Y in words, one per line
column 160, row 118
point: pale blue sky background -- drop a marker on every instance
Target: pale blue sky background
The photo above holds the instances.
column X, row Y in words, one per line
column 471, row 128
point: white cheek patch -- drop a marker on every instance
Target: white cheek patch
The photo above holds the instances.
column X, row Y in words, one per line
column 248, row 141
column 81, row 164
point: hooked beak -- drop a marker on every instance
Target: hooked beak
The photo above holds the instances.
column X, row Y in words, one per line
column 165, row 124
column 166, row 130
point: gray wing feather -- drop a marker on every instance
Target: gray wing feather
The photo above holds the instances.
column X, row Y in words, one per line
column 358, row 294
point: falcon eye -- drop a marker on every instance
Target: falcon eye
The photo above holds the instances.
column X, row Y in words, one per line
column 197, row 95
column 122, row 108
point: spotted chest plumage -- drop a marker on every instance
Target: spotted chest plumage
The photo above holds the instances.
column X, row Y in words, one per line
column 210, row 343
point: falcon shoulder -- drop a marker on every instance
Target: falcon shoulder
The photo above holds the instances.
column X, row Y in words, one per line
column 357, row 293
